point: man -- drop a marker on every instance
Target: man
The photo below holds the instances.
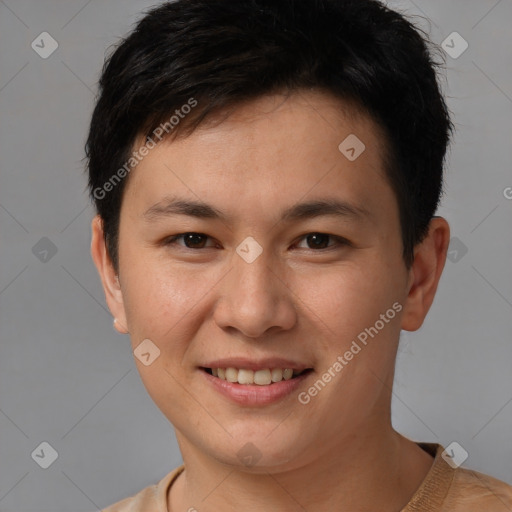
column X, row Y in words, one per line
column 266, row 175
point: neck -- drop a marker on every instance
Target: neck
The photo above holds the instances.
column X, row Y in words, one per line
column 376, row 469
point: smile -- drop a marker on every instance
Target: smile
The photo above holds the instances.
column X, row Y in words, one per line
column 255, row 387
column 263, row 377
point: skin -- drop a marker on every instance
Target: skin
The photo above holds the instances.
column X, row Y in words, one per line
column 294, row 301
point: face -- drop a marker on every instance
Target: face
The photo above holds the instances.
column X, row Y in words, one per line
column 229, row 258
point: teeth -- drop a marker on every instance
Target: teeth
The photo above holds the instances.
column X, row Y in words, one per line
column 259, row 377
column 277, row 375
column 245, row 377
column 287, row 374
column 231, row 375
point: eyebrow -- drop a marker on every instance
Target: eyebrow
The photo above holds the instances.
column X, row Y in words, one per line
column 171, row 206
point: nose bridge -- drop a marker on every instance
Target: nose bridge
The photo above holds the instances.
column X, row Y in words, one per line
column 256, row 277
column 253, row 297
column 252, row 264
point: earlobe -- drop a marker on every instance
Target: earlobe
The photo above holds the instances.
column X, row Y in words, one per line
column 424, row 275
column 120, row 328
column 108, row 275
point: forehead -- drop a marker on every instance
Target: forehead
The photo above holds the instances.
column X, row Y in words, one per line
column 282, row 147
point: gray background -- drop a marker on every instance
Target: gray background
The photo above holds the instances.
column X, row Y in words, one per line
column 67, row 378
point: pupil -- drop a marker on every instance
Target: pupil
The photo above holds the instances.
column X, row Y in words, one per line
column 318, row 240
column 193, row 239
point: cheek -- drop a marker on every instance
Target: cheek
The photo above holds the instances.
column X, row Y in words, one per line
column 167, row 305
column 347, row 298
column 358, row 313
column 347, row 305
column 162, row 300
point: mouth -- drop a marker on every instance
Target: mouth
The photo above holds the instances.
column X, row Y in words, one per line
column 261, row 377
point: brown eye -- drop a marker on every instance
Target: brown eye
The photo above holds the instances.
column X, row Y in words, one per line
column 194, row 240
column 319, row 241
column 190, row 240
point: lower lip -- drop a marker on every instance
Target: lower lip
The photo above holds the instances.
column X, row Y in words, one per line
column 253, row 394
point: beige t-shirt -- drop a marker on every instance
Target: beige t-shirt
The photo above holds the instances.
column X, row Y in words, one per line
column 444, row 490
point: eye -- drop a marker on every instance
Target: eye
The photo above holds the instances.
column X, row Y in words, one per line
column 315, row 241
column 191, row 240
column 321, row 241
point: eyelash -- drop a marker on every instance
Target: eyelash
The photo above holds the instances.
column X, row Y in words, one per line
column 338, row 239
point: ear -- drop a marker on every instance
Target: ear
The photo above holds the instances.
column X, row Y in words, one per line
column 109, row 278
column 425, row 272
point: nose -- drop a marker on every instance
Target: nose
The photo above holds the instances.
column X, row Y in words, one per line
column 254, row 300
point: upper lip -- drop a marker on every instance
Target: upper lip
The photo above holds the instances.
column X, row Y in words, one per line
column 252, row 364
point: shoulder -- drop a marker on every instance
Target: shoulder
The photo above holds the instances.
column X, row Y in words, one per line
column 151, row 499
column 473, row 491
column 448, row 488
